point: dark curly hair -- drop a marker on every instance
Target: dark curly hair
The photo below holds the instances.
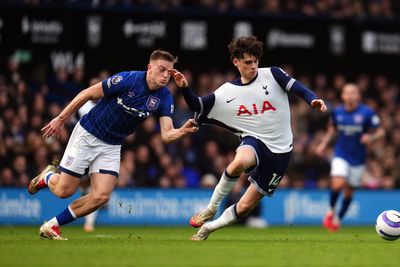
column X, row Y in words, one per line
column 245, row 45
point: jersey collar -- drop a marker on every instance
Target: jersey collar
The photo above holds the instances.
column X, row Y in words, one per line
column 238, row 81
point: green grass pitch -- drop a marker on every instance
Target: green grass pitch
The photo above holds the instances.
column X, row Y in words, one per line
column 170, row 246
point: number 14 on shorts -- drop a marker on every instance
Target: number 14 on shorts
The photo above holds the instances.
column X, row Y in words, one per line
column 274, row 182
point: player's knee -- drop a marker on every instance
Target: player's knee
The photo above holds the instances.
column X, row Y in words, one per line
column 63, row 192
column 238, row 166
column 100, row 199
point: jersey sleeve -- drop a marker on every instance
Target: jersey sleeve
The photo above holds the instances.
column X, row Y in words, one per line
column 291, row 85
column 117, row 83
column 374, row 120
column 200, row 105
column 333, row 118
column 167, row 106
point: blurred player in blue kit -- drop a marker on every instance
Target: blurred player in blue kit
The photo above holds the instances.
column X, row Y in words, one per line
column 255, row 107
column 356, row 125
column 127, row 99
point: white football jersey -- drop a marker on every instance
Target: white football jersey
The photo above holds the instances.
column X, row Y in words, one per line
column 259, row 109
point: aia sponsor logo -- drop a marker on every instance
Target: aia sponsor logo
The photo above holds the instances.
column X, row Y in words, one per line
column 254, row 109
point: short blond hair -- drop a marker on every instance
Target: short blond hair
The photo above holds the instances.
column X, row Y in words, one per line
column 162, row 54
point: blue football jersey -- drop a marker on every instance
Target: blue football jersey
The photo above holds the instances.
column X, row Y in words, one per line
column 351, row 126
column 128, row 102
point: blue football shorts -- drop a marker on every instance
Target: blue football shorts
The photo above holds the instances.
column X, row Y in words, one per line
column 270, row 168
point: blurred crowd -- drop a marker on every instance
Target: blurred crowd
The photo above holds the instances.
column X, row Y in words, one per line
column 197, row 160
column 330, row 8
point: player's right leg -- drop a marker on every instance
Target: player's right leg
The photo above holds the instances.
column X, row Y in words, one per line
column 331, row 221
column 245, row 158
column 101, row 188
column 66, row 186
column 41, row 180
column 339, row 170
column 246, row 204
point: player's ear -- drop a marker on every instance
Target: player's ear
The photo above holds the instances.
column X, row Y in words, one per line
column 235, row 62
column 149, row 66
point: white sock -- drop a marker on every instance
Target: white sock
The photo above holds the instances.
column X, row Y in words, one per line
column 52, row 222
column 223, row 188
column 228, row 217
column 90, row 219
column 72, row 212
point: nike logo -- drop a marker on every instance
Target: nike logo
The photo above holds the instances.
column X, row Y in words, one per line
column 230, row 100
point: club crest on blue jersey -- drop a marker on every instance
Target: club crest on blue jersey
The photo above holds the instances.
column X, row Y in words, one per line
column 358, row 118
column 116, row 79
column 152, row 102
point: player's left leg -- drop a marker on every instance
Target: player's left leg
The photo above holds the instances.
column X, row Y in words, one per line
column 240, row 210
column 90, row 219
column 353, row 181
column 340, row 169
column 330, row 221
column 101, row 189
column 245, row 158
column 347, row 199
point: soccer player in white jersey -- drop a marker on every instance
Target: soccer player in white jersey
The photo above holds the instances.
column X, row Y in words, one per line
column 127, row 99
column 256, row 108
column 353, row 122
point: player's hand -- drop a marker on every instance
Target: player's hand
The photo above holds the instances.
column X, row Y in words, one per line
column 54, row 128
column 366, row 139
column 179, row 78
column 190, row 126
column 320, row 150
column 319, row 104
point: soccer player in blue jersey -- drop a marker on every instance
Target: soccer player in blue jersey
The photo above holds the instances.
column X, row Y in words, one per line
column 255, row 107
column 356, row 126
column 127, row 99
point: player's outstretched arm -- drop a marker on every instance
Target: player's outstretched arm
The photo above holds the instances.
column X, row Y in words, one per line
column 56, row 125
column 329, row 135
column 170, row 134
column 369, row 138
column 191, row 99
column 179, row 78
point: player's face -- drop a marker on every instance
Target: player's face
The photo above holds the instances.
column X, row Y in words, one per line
column 158, row 72
column 247, row 66
column 351, row 95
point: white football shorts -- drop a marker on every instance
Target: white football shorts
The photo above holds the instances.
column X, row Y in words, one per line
column 86, row 151
column 352, row 174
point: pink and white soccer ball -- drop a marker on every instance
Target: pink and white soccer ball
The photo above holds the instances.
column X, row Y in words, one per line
column 388, row 225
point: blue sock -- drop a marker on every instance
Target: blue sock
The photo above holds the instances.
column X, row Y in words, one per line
column 65, row 216
column 334, row 198
column 345, row 206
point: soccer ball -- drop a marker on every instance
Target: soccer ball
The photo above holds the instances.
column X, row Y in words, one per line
column 388, row 225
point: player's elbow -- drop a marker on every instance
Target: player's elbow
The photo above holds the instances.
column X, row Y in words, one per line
column 166, row 139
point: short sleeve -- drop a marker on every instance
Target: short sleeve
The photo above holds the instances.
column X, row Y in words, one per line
column 333, row 117
column 167, row 105
column 117, row 83
column 374, row 120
